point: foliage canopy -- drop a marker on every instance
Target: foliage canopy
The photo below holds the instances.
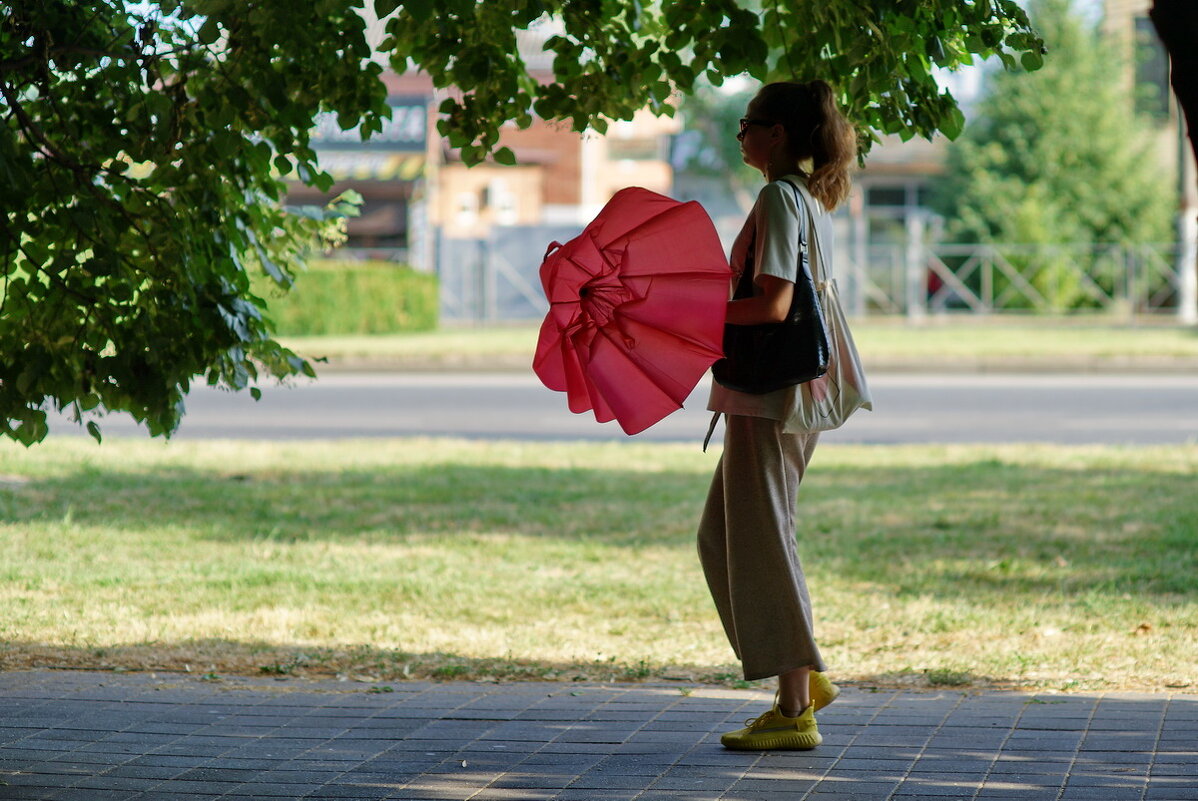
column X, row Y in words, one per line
column 143, row 147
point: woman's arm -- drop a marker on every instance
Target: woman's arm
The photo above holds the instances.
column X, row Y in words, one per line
column 776, row 222
column 771, row 306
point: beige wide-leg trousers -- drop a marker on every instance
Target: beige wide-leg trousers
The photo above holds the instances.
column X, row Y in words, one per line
column 747, row 547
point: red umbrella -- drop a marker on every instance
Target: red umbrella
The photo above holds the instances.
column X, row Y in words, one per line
column 636, row 309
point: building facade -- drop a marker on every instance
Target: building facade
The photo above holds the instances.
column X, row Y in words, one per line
column 424, row 207
column 418, row 193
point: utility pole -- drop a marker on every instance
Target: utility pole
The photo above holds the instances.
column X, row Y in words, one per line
column 916, row 268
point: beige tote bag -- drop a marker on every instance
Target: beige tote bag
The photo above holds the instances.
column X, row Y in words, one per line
column 827, row 402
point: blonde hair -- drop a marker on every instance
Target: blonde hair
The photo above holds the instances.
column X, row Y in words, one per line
column 815, row 130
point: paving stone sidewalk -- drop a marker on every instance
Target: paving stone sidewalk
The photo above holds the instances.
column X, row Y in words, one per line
column 84, row 736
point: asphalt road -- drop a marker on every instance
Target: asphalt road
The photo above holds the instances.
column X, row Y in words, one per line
column 1048, row 408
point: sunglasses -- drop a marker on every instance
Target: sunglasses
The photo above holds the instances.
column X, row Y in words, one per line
column 745, row 122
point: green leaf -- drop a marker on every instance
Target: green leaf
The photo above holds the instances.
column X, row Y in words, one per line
column 419, row 9
column 209, row 31
column 504, row 155
column 953, row 123
column 94, row 430
column 322, row 181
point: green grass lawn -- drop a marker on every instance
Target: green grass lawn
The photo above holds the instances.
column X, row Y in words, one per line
column 1032, row 338
column 1048, row 567
column 878, row 340
column 443, row 345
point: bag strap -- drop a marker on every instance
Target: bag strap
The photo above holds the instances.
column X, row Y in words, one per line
column 715, row 418
column 744, row 285
column 818, row 262
column 824, row 280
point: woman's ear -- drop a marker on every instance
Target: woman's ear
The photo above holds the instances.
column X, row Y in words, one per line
column 778, row 136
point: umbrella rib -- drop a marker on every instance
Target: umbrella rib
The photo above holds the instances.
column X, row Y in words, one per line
column 702, row 274
column 681, row 337
column 653, row 379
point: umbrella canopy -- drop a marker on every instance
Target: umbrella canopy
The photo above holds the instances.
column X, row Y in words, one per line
column 636, row 309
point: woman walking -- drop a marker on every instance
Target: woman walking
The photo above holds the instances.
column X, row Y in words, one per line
column 795, row 135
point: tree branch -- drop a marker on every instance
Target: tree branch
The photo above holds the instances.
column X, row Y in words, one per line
column 14, row 64
column 33, row 130
column 82, row 172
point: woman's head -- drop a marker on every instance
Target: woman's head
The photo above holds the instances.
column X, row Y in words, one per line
column 812, row 129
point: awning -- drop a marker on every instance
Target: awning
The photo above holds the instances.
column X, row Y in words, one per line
column 366, row 166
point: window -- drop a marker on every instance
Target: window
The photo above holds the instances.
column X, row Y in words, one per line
column 886, row 196
column 1152, row 72
column 466, row 209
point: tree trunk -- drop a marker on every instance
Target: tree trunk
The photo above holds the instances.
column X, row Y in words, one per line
column 1176, row 22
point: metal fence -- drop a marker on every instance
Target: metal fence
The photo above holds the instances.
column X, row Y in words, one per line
column 495, row 280
column 1010, row 278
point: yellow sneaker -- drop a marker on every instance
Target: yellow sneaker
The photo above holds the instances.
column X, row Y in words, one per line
column 775, row 731
column 823, row 691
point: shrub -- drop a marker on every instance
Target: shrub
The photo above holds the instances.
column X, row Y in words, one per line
column 339, row 297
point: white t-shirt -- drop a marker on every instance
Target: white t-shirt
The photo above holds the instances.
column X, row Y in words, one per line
column 777, row 219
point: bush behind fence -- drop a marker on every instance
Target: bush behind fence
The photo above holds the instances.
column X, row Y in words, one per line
column 343, row 297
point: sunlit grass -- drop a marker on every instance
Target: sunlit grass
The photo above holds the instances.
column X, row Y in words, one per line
column 878, row 339
column 1039, row 566
column 444, row 346
column 989, row 338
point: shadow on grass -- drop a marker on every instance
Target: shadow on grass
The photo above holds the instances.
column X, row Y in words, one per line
column 976, row 528
column 383, row 504
column 985, row 534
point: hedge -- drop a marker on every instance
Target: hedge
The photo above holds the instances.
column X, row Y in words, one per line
column 339, row 297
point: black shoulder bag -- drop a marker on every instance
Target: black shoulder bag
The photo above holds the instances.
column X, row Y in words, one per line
column 769, row 356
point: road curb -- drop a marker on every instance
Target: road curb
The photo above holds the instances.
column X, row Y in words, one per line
column 520, row 364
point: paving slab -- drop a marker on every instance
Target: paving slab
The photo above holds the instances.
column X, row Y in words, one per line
column 92, row 736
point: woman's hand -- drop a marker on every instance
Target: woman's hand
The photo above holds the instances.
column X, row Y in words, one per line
column 771, row 306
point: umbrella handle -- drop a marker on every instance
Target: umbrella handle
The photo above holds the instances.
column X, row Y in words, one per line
column 552, row 247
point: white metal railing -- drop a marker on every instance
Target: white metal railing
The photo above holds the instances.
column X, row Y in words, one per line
column 1004, row 278
column 495, row 279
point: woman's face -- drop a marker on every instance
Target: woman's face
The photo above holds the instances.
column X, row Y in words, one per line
column 758, row 136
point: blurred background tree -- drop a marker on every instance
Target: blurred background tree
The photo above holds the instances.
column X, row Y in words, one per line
column 1057, row 156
